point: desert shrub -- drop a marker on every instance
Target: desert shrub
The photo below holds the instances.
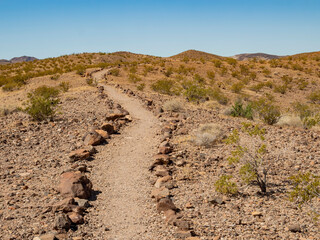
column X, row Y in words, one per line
column 133, row 69
column 197, row 78
column 114, row 72
column 288, row 120
column 42, row 102
column 302, row 83
column 55, row 77
column 286, row 79
column 134, row 78
column 91, row 82
column 237, row 87
column 147, row 69
column 216, row 94
column 217, row 63
column 64, row 86
column 249, row 154
column 172, row 106
column 211, row 75
column 257, row 87
column 81, row 70
column 314, row 96
column 141, row 86
column 207, row 134
column 267, row 111
column 312, row 120
column 223, row 71
column 306, row 186
column 303, row 110
column 194, row 92
column 266, row 72
column 168, row 72
column 163, row 86
column 244, row 70
column 232, row 61
column 225, row 186
column 239, row 110
column 280, row 88
column 253, row 76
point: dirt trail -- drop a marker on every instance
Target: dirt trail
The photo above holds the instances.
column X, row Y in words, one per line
column 123, row 209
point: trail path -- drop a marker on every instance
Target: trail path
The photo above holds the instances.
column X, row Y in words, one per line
column 123, row 209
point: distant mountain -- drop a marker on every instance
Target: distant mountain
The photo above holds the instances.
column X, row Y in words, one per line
column 194, row 54
column 246, row 56
column 18, row 60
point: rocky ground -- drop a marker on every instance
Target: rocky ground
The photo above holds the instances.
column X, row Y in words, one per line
column 174, row 199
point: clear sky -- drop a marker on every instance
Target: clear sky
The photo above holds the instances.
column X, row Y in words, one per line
column 50, row 28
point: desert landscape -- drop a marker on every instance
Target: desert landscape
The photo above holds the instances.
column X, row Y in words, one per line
column 132, row 146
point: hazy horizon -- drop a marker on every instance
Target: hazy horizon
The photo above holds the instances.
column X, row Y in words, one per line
column 46, row 29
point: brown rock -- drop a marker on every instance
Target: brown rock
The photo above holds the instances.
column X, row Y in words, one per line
column 75, row 184
column 165, row 204
column 75, row 218
column 295, row 228
column 170, row 216
column 62, row 222
column 114, row 116
column 63, row 204
column 79, row 154
column 159, row 193
column 161, row 171
column 182, row 234
column 165, row 150
column 108, row 127
column 93, row 139
column 193, row 238
column 182, row 225
column 103, row 133
column 160, row 181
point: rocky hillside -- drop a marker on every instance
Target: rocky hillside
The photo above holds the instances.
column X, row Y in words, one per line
column 247, row 56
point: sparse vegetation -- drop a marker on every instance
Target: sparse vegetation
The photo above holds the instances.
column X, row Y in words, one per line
column 239, row 110
column 225, row 186
column 163, row 86
column 207, row 134
column 42, row 102
column 172, row 106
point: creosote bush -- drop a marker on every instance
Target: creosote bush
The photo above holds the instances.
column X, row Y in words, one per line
column 42, row 102
column 248, row 154
column 306, row 186
column 64, row 86
column 163, row 86
column 267, row 111
column 225, row 186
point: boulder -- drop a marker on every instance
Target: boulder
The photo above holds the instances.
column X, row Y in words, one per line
column 165, row 204
column 75, row 184
column 93, row 139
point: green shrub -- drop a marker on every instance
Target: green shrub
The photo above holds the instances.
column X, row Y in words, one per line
column 194, row 92
column 168, row 72
column 64, row 86
column 314, row 96
column 216, row 94
column 163, row 86
column 211, row 75
column 225, row 186
column 238, row 110
column 55, row 77
column 306, row 186
column 303, row 110
column 134, row 78
column 114, row 72
column 237, row 87
column 42, row 103
column 312, row 120
column 141, row 86
column 81, row 70
column 197, row 78
column 280, row 88
column 267, row 111
column 257, row 87
column 217, row 63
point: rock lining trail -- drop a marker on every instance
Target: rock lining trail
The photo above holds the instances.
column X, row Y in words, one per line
column 123, row 209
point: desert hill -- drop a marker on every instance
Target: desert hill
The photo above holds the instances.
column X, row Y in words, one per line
column 247, row 56
column 196, row 55
column 18, row 60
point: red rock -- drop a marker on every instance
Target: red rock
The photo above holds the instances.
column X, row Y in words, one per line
column 75, row 184
column 160, row 181
column 161, row 171
column 75, row 218
column 170, row 216
column 103, row 133
column 114, row 116
column 79, row 154
column 159, row 193
column 93, row 139
column 165, row 150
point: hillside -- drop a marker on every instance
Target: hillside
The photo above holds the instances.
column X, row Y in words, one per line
column 194, row 146
column 247, row 56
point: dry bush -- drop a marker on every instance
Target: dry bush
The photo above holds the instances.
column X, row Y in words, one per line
column 173, row 106
column 288, row 120
column 207, row 134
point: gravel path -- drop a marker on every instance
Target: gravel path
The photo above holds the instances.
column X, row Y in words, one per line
column 124, row 209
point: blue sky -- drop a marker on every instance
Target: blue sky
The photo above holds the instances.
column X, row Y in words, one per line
column 44, row 28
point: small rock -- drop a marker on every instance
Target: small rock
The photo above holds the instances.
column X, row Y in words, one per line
column 165, row 204
column 159, row 193
column 93, row 139
column 62, row 222
column 189, row 205
column 114, row 116
column 295, row 228
column 82, row 202
column 161, row 171
column 256, row 214
column 79, row 154
column 182, row 234
column 160, row 181
column 108, row 127
column 182, row 225
column 76, row 218
column 103, row 133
